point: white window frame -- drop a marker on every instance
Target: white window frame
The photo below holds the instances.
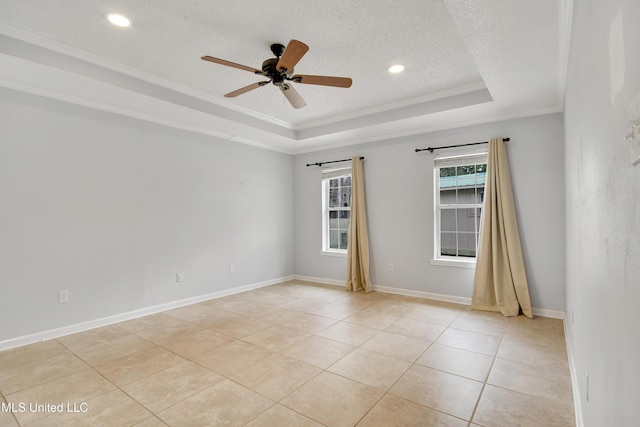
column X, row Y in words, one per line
column 327, row 175
column 460, row 157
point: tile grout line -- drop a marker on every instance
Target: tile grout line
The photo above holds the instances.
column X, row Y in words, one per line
column 53, row 379
column 484, row 383
column 386, row 392
column 117, row 387
column 225, row 377
column 322, row 370
column 414, row 363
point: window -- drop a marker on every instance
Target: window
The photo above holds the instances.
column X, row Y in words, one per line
column 336, row 209
column 459, row 196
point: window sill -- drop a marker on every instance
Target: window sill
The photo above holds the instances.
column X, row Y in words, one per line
column 339, row 254
column 453, row 263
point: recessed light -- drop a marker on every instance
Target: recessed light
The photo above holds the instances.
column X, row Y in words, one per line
column 396, row 68
column 118, row 20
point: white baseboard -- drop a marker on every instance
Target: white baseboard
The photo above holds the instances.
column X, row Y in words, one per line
column 390, row 290
column 543, row 312
column 577, row 402
column 421, row 294
column 109, row 320
column 320, row 280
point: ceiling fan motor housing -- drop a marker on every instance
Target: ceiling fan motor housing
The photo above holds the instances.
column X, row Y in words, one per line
column 269, row 68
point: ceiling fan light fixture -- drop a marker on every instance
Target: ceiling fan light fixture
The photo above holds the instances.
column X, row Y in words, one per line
column 396, row 68
column 118, row 20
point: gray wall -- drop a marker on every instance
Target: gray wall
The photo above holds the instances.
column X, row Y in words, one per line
column 112, row 208
column 399, row 191
column 603, row 211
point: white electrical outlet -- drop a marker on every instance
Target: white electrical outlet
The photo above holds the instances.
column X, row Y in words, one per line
column 63, row 297
column 179, row 277
column 232, row 268
column 391, row 267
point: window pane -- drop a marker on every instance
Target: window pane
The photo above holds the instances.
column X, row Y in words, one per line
column 448, row 244
column 344, row 239
column 344, row 220
column 466, row 195
column 448, row 220
column 467, row 244
column 333, row 220
column 478, row 216
column 481, row 177
column 334, row 239
column 447, row 172
column 466, row 220
column 466, row 170
column 448, row 181
column 333, row 197
column 333, row 182
column 447, row 196
column 345, row 181
column 345, row 197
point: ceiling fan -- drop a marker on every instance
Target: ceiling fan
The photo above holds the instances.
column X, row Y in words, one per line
column 279, row 71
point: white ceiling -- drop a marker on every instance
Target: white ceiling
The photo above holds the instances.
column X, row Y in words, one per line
column 467, row 62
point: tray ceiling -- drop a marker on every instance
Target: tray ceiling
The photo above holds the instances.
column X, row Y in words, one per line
column 466, row 62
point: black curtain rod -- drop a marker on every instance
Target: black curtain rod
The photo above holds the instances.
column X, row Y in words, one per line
column 430, row 149
column 332, row 161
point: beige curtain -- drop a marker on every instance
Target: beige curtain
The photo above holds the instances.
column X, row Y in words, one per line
column 500, row 280
column 358, row 244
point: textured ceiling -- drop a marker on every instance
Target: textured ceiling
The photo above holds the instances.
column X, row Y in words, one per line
column 466, row 62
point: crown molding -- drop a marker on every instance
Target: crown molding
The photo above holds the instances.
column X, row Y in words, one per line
column 149, row 98
column 427, row 129
column 64, row 49
column 382, row 108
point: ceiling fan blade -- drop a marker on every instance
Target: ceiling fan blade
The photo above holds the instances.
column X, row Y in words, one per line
column 245, row 89
column 232, row 64
column 323, row 80
column 294, row 51
column 292, row 96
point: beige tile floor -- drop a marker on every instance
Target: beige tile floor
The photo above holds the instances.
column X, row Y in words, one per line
column 297, row 354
